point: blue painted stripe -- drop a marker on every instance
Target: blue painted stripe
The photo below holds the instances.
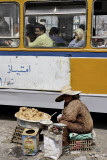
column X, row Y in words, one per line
column 27, row 53
column 63, row 54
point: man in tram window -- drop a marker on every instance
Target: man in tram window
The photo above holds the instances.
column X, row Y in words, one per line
column 100, row 43
column 42, row 40
column 14, row 42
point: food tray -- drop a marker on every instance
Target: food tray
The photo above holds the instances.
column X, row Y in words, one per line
column 29, row 123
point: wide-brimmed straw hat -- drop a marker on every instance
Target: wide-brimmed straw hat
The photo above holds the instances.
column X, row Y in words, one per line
column 66, row 90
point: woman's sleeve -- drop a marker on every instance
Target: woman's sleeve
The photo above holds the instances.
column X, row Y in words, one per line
column 80, row 44
column 72, row 43
column 76, row 45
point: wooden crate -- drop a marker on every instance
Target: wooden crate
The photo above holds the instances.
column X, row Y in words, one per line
column 81, row 144
column 17, row 135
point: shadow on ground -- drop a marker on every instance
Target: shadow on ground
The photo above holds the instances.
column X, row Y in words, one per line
column 8, row 112
column 100, row 120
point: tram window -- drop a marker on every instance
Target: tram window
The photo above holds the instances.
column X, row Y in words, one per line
column 60, row 20
column 99, row 24
column 9, row 24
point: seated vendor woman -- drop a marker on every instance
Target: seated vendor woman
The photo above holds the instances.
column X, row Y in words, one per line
column 75, row 114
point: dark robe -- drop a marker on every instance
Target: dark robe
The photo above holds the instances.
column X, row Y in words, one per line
column 77, row 118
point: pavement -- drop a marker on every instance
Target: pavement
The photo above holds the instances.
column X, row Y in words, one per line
column 13, row 151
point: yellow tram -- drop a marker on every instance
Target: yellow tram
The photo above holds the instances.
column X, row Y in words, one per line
column 33, row 76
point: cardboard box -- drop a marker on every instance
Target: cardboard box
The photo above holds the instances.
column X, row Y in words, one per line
column 30, row 141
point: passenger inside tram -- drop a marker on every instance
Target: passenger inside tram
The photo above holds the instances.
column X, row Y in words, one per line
column 55, row 36
column 14, row 42
column 42, row 40
column 4, row 30
column 79, row 40
column 4, row 27
column 30, row 32
column 100, row 43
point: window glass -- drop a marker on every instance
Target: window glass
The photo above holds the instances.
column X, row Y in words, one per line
column 9, row 25
column 99, row 24
column 55, row 24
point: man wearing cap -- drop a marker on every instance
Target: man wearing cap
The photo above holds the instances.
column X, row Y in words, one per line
column 75, row 114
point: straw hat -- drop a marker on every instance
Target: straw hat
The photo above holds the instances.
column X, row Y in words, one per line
column 66, row 90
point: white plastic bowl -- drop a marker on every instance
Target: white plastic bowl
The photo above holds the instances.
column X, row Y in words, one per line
column 46, row 122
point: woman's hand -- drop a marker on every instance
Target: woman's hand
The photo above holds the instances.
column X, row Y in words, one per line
column 6, row 42
column 59, row 117
column 28, row 39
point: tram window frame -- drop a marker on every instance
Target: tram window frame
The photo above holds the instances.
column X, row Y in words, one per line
column 38, row 14
column 98, row 38
column 12, row 38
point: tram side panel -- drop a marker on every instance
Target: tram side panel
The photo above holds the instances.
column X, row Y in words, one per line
column 89, row 76
column 34, row 73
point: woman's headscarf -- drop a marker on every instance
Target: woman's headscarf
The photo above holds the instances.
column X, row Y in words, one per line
column 80, row 33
